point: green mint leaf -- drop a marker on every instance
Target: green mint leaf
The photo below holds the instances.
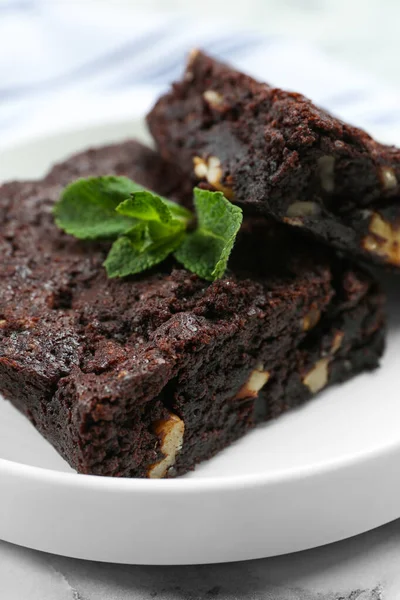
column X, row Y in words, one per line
column 146, row 206
column 87, row 207
column 206, row 251
column 125, row 259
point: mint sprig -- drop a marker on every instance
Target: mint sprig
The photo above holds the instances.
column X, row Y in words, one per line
column 147, row 228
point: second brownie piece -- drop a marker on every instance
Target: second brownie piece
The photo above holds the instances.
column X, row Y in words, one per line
column 275, row 152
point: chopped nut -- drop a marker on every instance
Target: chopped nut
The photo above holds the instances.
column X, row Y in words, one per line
column 311, row 319
column 214, row 174
column 326, row 172
column 211, row 170
column 388, row 178
column 214, row 99
column 303, row 209
column 294, row 222
column 384, row 240
column 170, row 431
column 122, row 374
column 190, row 60
column 200, row 167
column 258, row 378
column 193, row 54
column 337, row 341
column 317, row 378
column 3, row 323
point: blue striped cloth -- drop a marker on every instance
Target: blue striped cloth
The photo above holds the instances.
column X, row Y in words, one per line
column 65, row 64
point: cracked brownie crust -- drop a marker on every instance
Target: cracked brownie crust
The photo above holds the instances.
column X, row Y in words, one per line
column 276, row 153
column 149, row 375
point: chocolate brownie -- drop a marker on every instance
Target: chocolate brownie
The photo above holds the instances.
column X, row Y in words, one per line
column 147, row 376
column 274, row 152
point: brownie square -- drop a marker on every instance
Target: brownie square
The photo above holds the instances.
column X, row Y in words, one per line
column 147, row 376
column 276, row 153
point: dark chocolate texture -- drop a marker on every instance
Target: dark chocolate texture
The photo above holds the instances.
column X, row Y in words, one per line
column 276, row 153
column 149, row 375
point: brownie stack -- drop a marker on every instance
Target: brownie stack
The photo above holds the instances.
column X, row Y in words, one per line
column 148, row 375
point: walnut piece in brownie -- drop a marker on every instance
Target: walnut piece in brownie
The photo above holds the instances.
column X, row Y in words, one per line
column 275, row 152
column 148, row 375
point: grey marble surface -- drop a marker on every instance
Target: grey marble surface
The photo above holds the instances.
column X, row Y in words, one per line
column 363, row 33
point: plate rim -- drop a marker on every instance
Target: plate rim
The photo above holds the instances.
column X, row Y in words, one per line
column 216, row 534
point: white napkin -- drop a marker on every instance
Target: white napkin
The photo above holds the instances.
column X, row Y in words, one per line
column 69, row 64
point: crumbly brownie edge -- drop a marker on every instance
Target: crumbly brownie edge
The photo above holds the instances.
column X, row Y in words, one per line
column 348, row 340
column 213, row 395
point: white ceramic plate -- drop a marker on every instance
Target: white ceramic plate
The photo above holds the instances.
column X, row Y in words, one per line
column 319, row 474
